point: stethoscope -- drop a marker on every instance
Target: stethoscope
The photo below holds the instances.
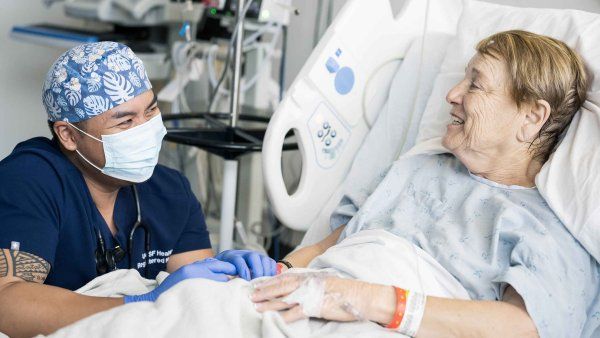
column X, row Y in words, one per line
column 106, row 260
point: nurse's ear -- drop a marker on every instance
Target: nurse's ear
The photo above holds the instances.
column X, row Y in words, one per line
column 66, row 135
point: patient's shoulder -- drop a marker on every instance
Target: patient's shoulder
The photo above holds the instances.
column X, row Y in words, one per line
column 430, row 163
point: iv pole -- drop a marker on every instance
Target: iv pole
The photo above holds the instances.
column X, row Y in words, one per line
column 230, row 170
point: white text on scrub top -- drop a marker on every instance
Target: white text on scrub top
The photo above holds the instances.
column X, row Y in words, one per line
column 155, row 257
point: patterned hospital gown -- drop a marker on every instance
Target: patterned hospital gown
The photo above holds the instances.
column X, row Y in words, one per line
column 488, row 236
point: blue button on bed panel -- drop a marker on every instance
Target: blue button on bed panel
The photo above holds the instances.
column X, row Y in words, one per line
column 332, row 65
column 344, row 80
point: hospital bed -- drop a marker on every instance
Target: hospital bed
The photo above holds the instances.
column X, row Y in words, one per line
column 335, row 100
column 374, row 88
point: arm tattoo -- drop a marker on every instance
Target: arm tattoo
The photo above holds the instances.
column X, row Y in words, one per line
column 3, row 264
column 26, row 266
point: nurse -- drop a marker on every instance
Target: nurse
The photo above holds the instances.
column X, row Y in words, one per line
column 93, row 199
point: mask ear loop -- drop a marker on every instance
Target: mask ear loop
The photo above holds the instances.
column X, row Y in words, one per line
column 77, row 150
column 95, row 138
column 88, row 161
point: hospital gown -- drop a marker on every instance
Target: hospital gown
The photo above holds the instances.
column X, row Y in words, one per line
column 487, row 236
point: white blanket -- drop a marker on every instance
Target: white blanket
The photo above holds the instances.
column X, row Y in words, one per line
column 205, row 308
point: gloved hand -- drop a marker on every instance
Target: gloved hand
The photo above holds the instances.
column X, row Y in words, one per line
column 249, row 264
column 209, row 268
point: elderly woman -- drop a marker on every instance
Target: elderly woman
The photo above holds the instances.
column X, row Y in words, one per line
column 475, row 211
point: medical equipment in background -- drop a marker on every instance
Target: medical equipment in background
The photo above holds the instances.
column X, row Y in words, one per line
column 195, row 59
column 107, row 259
column 231, row 166
column 334, row 101
column 147, row 26
column 321, row 26
column 192, row 89
column 226, row 140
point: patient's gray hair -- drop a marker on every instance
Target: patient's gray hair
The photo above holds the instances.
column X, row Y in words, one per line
column 541, row 67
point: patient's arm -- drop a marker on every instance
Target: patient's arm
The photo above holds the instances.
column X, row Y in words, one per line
column 28, row 307
column 463, row 318
column 443, row 317
column 302, row 257
column 446, row 317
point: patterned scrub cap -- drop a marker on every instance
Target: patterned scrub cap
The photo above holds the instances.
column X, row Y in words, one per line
column 89, row 79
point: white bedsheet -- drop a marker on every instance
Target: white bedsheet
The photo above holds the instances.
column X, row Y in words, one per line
column 205, row 308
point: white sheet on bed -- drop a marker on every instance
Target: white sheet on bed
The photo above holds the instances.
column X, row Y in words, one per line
column 205, row 308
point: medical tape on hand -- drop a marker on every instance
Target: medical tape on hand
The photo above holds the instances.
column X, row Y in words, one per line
column 310, row 295
column 413, row 315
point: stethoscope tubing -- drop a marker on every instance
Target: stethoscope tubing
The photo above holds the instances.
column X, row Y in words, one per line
column 138, row 225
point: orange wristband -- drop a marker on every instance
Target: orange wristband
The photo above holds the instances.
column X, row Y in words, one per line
column 401, row 296
column 279, row 268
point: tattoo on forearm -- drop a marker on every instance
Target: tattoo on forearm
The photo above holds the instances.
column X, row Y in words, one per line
column 3, row 264
column 23, row 265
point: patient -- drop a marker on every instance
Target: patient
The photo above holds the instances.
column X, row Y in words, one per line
column 475, row 211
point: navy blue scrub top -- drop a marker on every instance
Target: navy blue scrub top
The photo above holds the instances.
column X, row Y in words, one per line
column 46, row 206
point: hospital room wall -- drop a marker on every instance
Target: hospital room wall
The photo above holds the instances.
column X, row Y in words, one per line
column 23, row 67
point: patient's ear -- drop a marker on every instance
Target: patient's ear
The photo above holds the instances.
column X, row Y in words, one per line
column 536, row 114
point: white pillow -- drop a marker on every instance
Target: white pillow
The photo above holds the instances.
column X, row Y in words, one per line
column 570, row 180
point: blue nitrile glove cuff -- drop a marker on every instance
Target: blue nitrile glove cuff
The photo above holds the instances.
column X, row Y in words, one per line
column 209, row 268
column 147, row 297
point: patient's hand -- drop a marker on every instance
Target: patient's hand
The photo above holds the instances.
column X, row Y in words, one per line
column 316, row 294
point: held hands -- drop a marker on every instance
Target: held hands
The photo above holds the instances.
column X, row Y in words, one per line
column 245, row 263
column 315, row 294
column 249, row 264
column 209, row 268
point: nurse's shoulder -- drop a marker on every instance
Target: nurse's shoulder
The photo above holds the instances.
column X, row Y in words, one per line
column 29, row 207
column 36, row 155
column 34, row 164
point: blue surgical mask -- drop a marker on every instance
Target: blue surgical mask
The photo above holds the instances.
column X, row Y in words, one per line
column 131, row 155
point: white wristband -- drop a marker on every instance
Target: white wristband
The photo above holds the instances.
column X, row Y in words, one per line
column 413, row 314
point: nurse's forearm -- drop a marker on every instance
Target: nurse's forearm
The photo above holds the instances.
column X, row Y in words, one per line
column 302, row 257
column 28, row 309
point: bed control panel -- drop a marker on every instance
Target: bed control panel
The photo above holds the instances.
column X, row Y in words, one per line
column 329, row 135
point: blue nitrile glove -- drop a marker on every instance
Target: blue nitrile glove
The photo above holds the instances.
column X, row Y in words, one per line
column 209, row 268
column 249, row 264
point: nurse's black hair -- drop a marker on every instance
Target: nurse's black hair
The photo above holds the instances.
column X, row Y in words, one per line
column 51, row 126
